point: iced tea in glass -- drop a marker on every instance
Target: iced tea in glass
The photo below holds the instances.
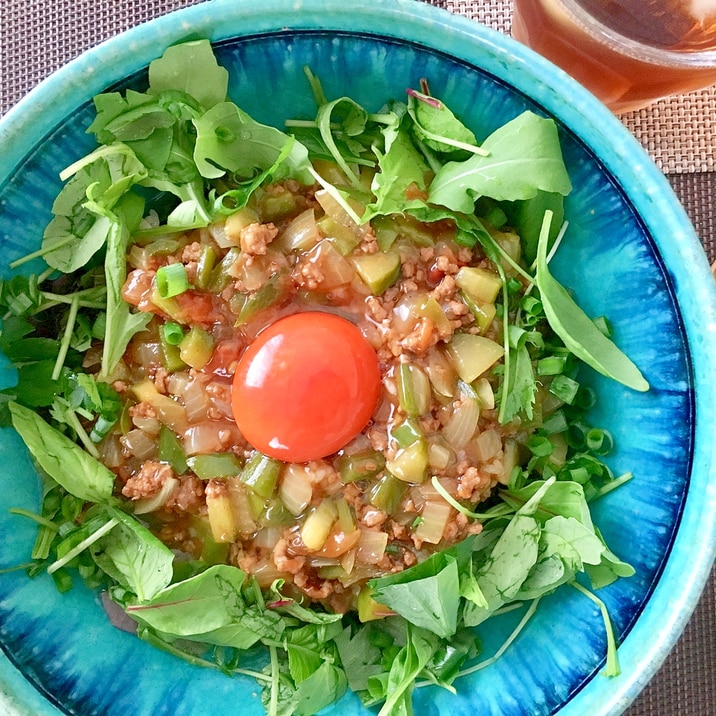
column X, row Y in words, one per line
column 627, row 52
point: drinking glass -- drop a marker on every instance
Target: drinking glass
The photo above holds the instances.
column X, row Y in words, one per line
column 627, row 52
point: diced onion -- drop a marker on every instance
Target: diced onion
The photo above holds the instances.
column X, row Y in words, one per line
column 110, row 451
column 301, row 234
column 207, row 437
column 488, row 445
column 153, row 503
column 485, row 394
column 435, row 516
column 148, row 425
column 371, row 547
column 196, row 401
column 333, row 208
column 439, row 456
column 296, row 490
column 140, row 444
column 267, row 537
column 177, row 382
column 147, row 353
column 462, row 423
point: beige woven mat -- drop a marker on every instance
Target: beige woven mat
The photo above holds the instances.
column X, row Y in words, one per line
column 39, row 36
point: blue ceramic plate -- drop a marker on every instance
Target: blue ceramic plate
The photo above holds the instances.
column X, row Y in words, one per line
column 630, row 253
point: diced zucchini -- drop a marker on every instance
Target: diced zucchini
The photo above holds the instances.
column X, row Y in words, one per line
column 339, row 235
column 205, row 266
column 387, row 493
column 386, row 231
column 317, row 526
column 238, row 221
column 484, row 313
column 221, row 516
column 378, row 271
column 482, row 285
column 407, row 433
column 171, row 355
column 410, row 463
column 277, row 204
column 196, row 348
column 473, row 355
column 220, row 276
column 216, row 464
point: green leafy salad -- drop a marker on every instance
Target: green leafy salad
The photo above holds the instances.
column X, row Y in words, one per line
column 173, row 245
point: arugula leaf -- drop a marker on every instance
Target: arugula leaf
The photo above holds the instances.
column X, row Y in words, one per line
column 131, row 555
column 578, row 332
column 524, row 158
column 410, row 661
column 192, row 68
column 63, row 460
column 227, row 139
column 121, row 323
column 353, row 119
column 434, row 123
column 402, row 168
column 526, row 219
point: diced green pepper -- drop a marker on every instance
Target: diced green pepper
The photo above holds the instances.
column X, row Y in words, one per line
column 261, row 474
column 407, row 433
column 215, row 465
column 270, row 294
column 170, row 450
column 205, row 266
column 220, row 276
column 171, row 354
column 360, row 466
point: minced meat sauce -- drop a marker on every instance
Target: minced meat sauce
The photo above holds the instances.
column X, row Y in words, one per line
column 293, row 250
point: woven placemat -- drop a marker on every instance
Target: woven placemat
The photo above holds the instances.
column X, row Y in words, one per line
column 39, row 36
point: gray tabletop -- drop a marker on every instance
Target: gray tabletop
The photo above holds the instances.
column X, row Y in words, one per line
column 38, row 36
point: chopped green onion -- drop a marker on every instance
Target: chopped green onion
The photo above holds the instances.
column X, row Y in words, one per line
column 172, row 280
column 540, row 446
column 173, row 333
column 62, row 580
column 555, row 423
column 564, row 388
column 600, row 442
column 551, row 365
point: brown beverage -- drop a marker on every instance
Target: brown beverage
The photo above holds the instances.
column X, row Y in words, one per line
column 627, row 52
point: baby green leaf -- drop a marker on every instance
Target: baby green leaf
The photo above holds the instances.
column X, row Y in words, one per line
column 229, row 140
column 524, row 158
column 133, row 556
column 577, row 330
column 192, row 68
column 64, row 461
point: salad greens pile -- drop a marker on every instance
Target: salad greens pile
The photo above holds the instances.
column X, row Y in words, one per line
column 190, row 155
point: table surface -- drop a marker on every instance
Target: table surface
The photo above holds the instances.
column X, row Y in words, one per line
column 37, row 37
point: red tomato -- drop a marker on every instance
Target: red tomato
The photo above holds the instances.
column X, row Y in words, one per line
column 305, row 387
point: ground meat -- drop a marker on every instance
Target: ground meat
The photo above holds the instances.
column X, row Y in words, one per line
column 284, row 562
column 148, row 481
column 142, row 410
column 254, row 238
column 189, row 497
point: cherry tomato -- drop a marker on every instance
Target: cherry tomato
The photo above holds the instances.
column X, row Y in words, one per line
column 305, row 387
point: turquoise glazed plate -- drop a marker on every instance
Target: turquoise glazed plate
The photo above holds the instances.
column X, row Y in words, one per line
column 630, row 253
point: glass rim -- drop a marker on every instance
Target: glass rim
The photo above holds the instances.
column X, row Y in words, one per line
column 695, row 59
